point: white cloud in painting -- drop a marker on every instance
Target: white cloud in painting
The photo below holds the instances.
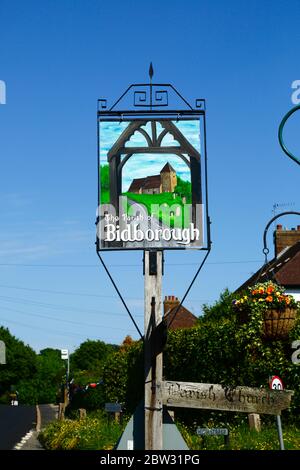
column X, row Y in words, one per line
column 142, row 165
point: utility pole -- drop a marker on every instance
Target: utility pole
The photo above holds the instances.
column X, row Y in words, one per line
column 153, row 271
column 66, row 356
column 68, row 371
column 2, row 353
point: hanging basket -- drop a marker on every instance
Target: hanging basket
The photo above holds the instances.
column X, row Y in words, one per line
column 278, row 323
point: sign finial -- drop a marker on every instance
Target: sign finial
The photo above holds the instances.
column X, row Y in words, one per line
column 151, row 71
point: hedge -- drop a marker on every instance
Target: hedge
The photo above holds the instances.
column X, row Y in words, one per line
column 218, row 350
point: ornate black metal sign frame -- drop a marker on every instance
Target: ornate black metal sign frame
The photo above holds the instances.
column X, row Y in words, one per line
column 157, row 105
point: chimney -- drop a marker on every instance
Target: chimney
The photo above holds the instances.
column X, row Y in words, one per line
column 284, row 238
column 170, row 302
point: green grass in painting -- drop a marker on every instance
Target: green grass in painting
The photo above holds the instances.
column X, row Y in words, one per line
column 163, row 200
column 105, row 199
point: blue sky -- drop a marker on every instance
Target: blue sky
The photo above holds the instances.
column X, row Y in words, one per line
column 57, row 58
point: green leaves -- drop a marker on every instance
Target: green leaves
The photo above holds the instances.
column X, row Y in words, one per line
column 184, row 189
column 221, row 349
column 123, row 376
column 21, row 365
column 91, row 433
column 91, row 355
column 35, row 377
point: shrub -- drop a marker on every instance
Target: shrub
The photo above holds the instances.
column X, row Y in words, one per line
column 90, row 398
column 219, row 350
column 123, row 376
column 91, row 433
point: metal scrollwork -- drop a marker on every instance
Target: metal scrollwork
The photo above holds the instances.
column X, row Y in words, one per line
column 140, row 98
column 152, row 96
column 161, row 97
column 102, row 104
column 149, row 97
column 200, row 103
column 280, row 134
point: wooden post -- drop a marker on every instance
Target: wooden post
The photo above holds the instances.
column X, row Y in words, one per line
column 66, row 396
column 254, row 422
column 61, row 412
column 153, row 359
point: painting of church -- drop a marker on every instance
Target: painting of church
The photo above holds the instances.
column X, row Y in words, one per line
column 165, row 182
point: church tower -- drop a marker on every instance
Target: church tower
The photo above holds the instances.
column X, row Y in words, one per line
column 168, row 179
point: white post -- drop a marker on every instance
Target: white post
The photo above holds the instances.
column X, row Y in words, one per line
column 65, row 356
column 153, row 360
column 68, row 369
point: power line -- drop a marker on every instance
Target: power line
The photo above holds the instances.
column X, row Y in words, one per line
column 49, row 291
column 120, row 265
column 64, row 321
column 58, row 307
column 51, row 265
column 56, row 332
column 120, row 295
column 46, row 330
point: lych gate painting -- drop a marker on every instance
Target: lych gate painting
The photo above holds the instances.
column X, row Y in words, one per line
column 150, row 184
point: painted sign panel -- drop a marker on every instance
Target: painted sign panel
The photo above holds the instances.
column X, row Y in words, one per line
column 218, row 397
column 150, row 191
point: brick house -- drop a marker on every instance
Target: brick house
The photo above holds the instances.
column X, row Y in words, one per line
column 284, row 268
column 183, row 319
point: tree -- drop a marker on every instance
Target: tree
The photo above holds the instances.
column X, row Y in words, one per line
column 104, row 177
column 21, row 364
column 127, row 343
column 221, row 309
column 50, row 374
column 222, row 348
column 91, row 355
column 184, row 189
